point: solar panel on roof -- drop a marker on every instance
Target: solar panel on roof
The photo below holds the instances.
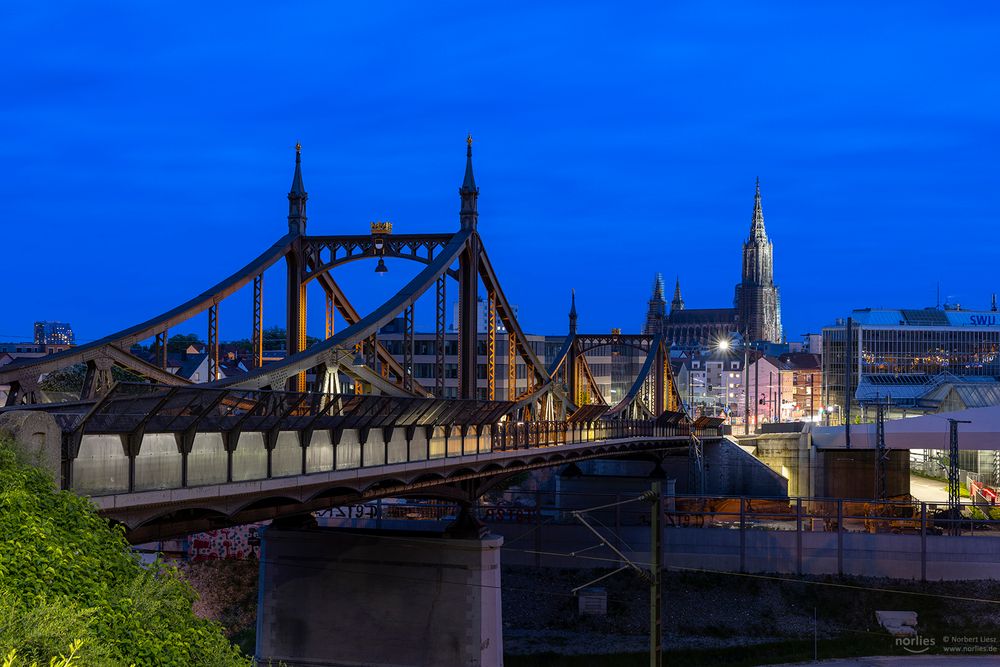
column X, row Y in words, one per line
column 903, row 379
column 928, row 317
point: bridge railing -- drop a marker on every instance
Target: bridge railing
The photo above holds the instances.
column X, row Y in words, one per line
column 145, row 439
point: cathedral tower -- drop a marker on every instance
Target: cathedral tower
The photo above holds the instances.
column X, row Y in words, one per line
column 758, row 301
column 657, row 308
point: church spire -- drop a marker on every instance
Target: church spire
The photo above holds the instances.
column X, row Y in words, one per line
column 658, row 289
column 657, row 308
column 297, row 197
column 678, row 302
column 469, row 214
column 757, row 224
column 572, row 313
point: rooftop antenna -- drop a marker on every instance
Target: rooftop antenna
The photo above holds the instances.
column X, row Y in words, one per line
column 938, row 295
column 993, row 306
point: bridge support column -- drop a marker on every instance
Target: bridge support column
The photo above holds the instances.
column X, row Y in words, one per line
column 296, row 313
column 334, row 597
column 468, row 324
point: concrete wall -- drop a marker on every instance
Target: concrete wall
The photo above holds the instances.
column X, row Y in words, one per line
column 863, row 554
column 787, row 454
column 851, row 473
column 731, row 471
column 834, row 473
column 37, row 438
column 336, row 597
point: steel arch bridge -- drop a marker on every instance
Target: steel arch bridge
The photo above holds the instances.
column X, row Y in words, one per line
column 168, row 456
column 555, row 391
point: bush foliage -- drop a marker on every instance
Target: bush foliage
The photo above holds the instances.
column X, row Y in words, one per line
column 66, row 574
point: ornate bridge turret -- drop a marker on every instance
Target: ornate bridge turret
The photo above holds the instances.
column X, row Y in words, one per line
column 469, row 213
column 297, row 197
column 468, row 284
column 296, row 296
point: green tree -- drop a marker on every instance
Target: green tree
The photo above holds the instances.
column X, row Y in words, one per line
column 276, row 337
column 66, row 574
column 180, row 342
column 71, row 378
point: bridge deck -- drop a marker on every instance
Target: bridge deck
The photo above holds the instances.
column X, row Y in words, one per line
column 156, row 458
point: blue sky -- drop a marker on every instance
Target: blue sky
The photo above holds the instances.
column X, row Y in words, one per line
column 147, row 150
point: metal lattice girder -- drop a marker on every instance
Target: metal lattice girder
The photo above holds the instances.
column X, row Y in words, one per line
column 160, row 349
column 371, row 358
column 98, row 380
column 511, row 366
column 331, row 309
column 588, row 342
column 954, row 489
column 360, row 330
column 468, row 325
column 591, row 382
column 351, row 316
column 491, row 346
column 213, row 343
column 407, row 348
column 440, row 322
column 350, row 248
column 634, row 391
column 257, row 340
column 510, row 323
column 300, row 378
column 559, row 361
column 881, row 453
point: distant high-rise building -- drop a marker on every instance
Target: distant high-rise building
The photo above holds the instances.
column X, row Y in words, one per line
column 54, row 333
column 758, row 302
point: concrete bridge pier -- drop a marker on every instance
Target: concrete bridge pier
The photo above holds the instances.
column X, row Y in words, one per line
column 357, row 597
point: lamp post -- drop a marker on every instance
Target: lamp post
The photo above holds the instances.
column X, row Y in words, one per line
column 724, row 345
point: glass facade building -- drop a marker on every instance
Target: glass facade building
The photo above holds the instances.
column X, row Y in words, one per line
column 895, row 348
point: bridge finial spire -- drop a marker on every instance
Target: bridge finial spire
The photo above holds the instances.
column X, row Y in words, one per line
column 297, row 197
column 572, row 313
column 469, row 214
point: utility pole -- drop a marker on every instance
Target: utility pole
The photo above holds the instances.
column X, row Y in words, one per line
column 779, row 394
column 746, row 388
column 812, row 398
column 881, row 454
column 655, row 589
column 954, row 497
column 756, row 390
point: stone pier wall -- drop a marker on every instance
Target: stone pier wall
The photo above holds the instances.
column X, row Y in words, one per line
column 339, row 597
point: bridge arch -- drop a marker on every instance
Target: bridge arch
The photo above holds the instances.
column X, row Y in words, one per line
column 266, row 503
column 347, row 259
column 339, row 491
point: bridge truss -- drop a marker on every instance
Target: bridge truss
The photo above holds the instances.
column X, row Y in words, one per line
column 552, row 392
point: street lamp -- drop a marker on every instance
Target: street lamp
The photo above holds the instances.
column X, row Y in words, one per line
column 735, row 340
